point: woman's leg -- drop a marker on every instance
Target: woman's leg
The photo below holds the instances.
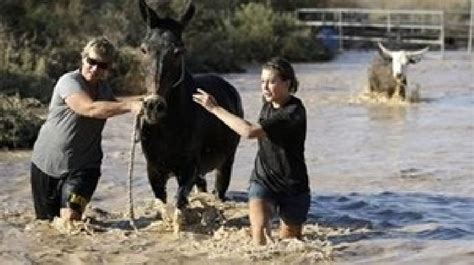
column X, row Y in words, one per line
column 260, row 214
column 290, row 231
column 293, row 212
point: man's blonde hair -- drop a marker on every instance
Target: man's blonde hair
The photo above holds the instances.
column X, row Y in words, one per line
column 102, row 46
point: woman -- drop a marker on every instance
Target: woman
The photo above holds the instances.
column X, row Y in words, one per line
column 279, row 179
column 67, row 155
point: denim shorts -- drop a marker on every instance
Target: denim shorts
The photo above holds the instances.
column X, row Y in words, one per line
column 293, row 210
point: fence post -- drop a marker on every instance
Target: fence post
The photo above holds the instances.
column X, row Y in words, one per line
column 341, row 45
column 469, row 45
column 442, row 35
column 389, row 21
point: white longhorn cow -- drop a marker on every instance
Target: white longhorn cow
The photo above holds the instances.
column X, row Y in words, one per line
column 387, row 73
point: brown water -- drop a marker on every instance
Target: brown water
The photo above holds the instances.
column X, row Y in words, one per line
column 404, row 171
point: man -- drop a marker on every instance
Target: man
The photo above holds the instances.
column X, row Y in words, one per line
column 67, row 155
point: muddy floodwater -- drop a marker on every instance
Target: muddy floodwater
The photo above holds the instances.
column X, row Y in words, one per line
column 402, row 172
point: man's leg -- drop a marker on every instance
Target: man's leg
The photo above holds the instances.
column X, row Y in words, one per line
column 290, row 231
column 77, row 191
column 45, row 193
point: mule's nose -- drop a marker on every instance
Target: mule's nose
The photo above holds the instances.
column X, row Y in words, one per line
column 144, row 48
column 154, row 109
column 146, row 104
column 179, row 50
column 160, row 106
column 154, row 103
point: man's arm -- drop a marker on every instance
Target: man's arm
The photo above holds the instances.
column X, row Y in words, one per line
column 83, row 105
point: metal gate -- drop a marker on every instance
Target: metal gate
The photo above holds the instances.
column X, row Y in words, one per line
column 413, row 26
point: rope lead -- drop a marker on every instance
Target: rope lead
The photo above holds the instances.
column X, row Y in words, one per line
column 134, row 140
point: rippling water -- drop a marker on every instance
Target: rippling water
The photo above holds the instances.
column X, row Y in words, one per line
column 399, row 215
column 403, row 172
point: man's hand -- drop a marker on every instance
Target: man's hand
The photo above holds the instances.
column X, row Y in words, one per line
column 136, row 107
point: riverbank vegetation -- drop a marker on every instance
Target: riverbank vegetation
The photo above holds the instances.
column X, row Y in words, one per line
column 40, row 40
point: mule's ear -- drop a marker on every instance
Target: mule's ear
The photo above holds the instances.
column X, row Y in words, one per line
column 148, row 15
column 188, row 13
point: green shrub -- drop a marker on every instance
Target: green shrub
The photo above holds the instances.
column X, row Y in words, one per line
column 18, row 126
column 258, row 33
column 126, row 77
column 46, row 42
column 210, row 47
column 252, row 31
column 26, row 85
column 300, row 46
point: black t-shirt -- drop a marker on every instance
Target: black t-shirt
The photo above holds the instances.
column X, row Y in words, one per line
column 280, row 163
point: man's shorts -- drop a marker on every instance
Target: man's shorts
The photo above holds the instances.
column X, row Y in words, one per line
column 72, row 190
column 293, row 210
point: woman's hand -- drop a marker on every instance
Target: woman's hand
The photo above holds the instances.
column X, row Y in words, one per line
column 236, row 123
column 205, row 100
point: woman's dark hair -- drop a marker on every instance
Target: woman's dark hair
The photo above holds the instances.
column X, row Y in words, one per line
column 284, row 70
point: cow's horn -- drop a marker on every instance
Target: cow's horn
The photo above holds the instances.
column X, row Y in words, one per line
column 384, row 50
column 417, row 53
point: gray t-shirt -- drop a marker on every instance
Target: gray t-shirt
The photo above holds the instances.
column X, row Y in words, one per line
column 68, row 141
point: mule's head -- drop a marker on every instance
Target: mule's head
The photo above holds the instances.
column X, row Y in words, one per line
column 163, row 61
column 400, row 60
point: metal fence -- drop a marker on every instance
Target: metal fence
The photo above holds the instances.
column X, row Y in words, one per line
column 441, row 24
column 415, row 26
